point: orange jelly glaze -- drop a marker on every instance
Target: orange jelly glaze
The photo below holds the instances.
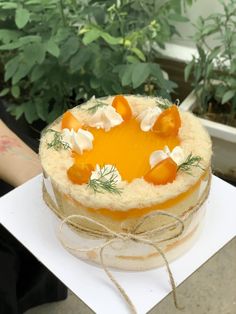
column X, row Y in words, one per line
column 126, row 147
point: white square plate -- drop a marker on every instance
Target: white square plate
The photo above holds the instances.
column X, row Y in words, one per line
column 25, row 215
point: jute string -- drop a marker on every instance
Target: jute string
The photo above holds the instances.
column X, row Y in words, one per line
column 149, row 237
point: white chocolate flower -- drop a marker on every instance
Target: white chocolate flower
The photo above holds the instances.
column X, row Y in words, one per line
column 108, row 172
column 78, row 141
column 148, row 118
column 157, row 156
column 105, row 117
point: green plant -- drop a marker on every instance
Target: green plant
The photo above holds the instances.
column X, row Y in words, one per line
column 216, row 44
column 58, row 53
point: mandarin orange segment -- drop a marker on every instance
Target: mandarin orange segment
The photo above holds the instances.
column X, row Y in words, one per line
column 69, row 121
column 80, row 173
column 168, row 122
column 162, row 173
column 122, row 106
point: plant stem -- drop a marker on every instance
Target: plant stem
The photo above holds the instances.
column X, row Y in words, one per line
column 62, row 12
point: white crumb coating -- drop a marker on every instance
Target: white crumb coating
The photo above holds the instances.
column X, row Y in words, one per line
column 138, row 193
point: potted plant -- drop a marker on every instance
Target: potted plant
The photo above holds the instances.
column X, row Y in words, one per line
column 213, row 77
column 58, row 53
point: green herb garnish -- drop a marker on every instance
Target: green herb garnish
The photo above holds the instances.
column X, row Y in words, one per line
column 102, row 184
column 95, row 107
column 191, row 161
column 57, row 143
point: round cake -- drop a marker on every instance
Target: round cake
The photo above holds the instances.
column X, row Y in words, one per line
column 138, row 170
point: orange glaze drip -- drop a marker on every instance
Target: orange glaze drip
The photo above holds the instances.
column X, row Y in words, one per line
column 126, row 147
column 119, row 215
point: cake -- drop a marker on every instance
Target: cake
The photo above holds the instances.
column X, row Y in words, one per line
column 123, row 162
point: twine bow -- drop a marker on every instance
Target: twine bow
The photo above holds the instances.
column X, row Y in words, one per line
column 149, row 237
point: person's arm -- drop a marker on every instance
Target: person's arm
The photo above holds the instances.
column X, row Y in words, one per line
column 18, row 162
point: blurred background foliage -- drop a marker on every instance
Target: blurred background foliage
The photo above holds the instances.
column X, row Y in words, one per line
column 55, row 54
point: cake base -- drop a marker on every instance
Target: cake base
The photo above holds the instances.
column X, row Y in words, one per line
column 130, row 254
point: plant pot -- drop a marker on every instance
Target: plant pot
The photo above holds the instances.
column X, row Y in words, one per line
column 223, row 140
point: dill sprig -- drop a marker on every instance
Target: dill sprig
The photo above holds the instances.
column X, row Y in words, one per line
column 95, row 107
column 103, row 184
column 163, row 103
column 57, row 142
column 191, row 161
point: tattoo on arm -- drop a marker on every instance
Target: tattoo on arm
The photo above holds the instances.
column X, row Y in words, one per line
column 8, row 143
column 12, row 145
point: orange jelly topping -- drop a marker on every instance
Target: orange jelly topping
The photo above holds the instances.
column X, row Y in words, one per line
column 126, row 147
column 168, row 122
column 162, row 173
column 69, row 121
column 121, row 105
column 80, row 173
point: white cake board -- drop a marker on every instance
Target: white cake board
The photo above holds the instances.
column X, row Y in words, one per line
column 25, row 215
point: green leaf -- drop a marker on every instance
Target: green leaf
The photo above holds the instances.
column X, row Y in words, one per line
column 34, row 53
column 132, row 59
column 15, row 91
column 53, row 48
column 16, row 110
column 37, row 73
column 4, row 92
column 188, row 70
column 11, row 46
column 138, row 53
column 41, row 109
column 110, row 39
column 29, row 39
column 125, row 73
column 94, row 82
column 90, row 36
column 140, row 73
column 7, row 35
column 178, row 18
column 79, row 59
column 210, row 29
column 54, row 113
column 22, row 17
column 22, row 70
column 215, row 53
column 202, row 53
column 9, row 5
column 228, row 95
column 21, row 42
column 19, row 110
column 209, row 68
column 11, row 67
column 69, row 48
column 30, row 112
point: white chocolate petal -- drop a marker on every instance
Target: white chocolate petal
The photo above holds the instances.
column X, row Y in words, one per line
column 177, row 155
column 96, row 173
column 82, row 140
column 67, row 134
column 166, row 150
column 148, row 118
column 105, row 117
column 156, row 157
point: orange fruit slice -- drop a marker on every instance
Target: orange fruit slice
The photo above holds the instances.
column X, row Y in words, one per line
column 168, row 122
column 122, row 106
column 80, row 173
column 162, row 173
column 69, row 121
